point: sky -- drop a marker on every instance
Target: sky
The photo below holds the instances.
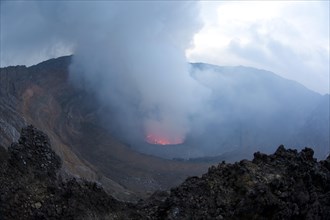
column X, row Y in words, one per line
column 290, row 38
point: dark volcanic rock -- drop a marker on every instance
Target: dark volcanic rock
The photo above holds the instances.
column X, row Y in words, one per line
column 31, row 189
column 33, row 154
column 285, row 185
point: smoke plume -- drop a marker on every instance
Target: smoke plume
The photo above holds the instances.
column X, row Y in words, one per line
column 132, row 55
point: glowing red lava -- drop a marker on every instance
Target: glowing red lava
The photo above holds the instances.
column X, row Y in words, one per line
column 156, row 139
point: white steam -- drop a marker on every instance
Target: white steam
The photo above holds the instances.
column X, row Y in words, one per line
column 132, row 55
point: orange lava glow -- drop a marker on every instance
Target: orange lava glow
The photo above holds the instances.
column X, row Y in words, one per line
column 156, row 139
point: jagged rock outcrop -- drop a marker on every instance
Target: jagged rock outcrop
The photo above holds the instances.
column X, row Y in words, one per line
column 30, row 187
column 32, row 155
column 285, row 185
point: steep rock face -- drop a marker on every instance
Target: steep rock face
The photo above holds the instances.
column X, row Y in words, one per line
column 284, row 185
column 11, row 121
column 26, row 98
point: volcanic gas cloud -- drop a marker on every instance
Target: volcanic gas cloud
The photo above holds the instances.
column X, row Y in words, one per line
column 132, row 56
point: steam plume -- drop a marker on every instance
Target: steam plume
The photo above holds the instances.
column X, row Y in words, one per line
column 133, row 56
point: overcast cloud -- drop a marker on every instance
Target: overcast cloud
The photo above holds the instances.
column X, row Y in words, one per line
column 289, row 38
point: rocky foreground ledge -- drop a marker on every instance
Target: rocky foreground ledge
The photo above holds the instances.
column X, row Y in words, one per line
column 285, row 185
